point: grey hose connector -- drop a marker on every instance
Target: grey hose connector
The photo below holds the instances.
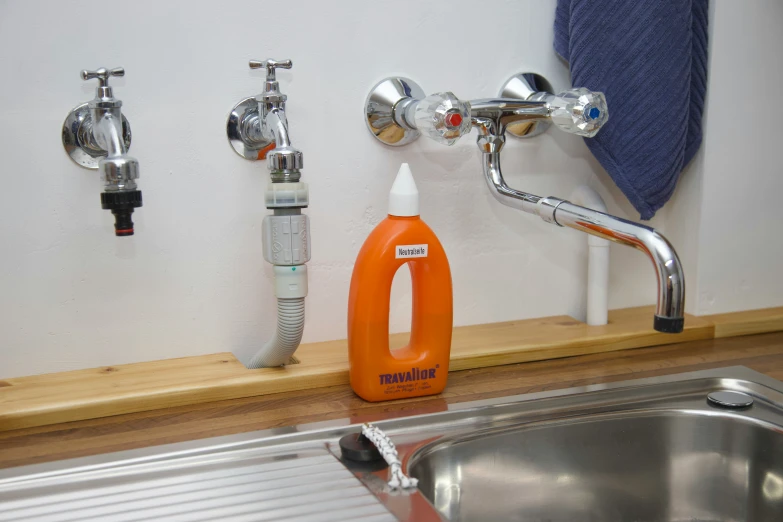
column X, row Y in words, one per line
column 286, row 240
column 290, row 325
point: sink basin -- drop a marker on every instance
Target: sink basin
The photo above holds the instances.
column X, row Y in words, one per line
column 648, row 450
column 645, row 466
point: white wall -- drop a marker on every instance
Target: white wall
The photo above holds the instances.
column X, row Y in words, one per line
column 740, row 240
column 192, row 280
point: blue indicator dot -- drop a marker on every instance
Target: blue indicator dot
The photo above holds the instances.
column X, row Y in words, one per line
column 594, row 113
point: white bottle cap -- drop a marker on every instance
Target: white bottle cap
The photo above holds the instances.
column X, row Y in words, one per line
column 404, row 196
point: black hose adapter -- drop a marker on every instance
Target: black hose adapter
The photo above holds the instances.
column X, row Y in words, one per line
column 121, row 204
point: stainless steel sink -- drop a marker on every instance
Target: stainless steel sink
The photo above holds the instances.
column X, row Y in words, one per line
column 672, row 465
column 650, row 450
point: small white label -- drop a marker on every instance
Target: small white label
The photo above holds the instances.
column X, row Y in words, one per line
column 408, row 251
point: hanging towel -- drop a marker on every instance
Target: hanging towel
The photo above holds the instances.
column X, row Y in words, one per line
column 649, row 57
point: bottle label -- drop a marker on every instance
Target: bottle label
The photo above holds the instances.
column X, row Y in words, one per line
column 409, row 251
column 412, row 380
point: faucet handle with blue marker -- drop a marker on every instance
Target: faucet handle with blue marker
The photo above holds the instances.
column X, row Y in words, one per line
column 578, row 111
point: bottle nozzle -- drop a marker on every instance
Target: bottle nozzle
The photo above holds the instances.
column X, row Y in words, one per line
column 404, row 196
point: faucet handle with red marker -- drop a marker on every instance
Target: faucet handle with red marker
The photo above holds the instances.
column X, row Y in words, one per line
column 441, row 116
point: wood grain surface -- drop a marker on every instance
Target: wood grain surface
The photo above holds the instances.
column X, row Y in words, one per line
column 99, row 392
column 747, row 323
column 763, row 353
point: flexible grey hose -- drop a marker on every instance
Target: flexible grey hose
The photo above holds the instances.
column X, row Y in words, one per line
column 290, row 325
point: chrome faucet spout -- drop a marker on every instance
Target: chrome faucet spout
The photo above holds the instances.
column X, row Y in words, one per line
column 669, row 312
column 503, row 193
column 107, row 131
column 118, row 170
column 668, row 269
column 275, row 126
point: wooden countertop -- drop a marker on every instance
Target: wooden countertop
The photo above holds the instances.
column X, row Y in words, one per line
column 763, row 353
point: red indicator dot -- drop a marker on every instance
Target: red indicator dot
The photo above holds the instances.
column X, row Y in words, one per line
column 453, row 119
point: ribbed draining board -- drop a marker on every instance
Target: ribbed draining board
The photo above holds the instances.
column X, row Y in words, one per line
column 309, row 485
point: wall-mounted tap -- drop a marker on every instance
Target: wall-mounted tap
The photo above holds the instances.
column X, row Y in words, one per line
column 97, row 136
column 397, row 112
column 257, row 129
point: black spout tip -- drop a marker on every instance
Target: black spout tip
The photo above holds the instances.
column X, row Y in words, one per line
column 121, row 205
column 669, row 324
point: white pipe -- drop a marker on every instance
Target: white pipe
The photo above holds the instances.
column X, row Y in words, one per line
column 597, row 260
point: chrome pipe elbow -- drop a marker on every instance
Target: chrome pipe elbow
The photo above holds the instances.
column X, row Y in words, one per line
column 669, row 313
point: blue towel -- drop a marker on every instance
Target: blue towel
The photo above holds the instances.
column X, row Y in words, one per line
column 649, row 57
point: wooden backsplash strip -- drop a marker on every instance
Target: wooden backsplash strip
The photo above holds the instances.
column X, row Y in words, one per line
column 747, row 323
column 99, row 392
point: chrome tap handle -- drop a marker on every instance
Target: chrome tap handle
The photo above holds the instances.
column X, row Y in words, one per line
column 441, row 116
column 102, row 75
column 578, row 111
column 103, row 93
column 271, row 66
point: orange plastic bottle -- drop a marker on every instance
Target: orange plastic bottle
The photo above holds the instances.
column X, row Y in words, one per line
column 421, row 368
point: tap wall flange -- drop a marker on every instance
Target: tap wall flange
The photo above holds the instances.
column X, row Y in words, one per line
column 79, row 141
column 379, row 110
column 243, row 129
column 526, row 86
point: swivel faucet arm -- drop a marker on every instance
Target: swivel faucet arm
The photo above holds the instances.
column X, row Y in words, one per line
column 668, row 269
column 398, row 112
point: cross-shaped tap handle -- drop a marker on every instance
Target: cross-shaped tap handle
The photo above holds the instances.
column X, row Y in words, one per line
column 270, row 65
column 103, row 74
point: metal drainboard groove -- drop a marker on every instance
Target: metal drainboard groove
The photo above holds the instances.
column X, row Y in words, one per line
column 225, row 508
column 280, row 487
column 179, row 498
column 156, row 489
column 128, row 478
column 125, row 487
